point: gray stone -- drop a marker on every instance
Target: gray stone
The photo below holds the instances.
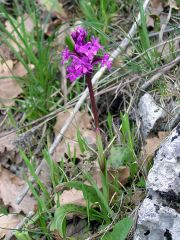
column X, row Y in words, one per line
column 159, row 214
column 150, row 113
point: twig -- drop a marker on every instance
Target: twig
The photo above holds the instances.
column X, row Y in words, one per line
column 166, row 68
column 163, row 27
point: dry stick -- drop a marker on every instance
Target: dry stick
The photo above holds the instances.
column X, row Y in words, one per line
column 96, row 77
column 160, row 73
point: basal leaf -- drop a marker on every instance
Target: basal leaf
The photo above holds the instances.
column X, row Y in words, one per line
column 120, row 230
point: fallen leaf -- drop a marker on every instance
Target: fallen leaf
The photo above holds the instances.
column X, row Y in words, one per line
column 5, row 52
column 8, row 151
column 49, row 28
column 10, row 188
column 156, row 7
column 72, row 196
column 6, row 141
column 153, row 142
column 28, row 26
column 82, row 122
column 28, row 23
column 8, row 222
column 121, row 174
column 54, row 6
column 9, row 88
column 63, row 31
column 137, row 197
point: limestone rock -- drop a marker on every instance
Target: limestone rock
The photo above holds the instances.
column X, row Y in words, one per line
column 150, row 113
column 159, row 214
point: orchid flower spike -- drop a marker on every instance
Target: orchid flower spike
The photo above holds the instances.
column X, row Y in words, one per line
column 84, row 57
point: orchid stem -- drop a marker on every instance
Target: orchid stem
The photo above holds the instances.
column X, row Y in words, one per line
column 102, row 161
column 93, row 103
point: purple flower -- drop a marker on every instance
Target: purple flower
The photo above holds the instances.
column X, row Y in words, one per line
column 79, row 35
column 65, row 55
column 106, row 62
column 84, row 56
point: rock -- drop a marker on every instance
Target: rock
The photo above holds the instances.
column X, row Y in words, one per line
column 150, row 114
column 174, row 110
column 159, row 214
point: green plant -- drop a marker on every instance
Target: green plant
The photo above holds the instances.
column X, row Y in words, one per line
column 110, row 126
column 43, row 200
column 31, row 49
column 22, row 236
column 99, row 14
column 144, row 38
column 128, row 140
column 120, row 230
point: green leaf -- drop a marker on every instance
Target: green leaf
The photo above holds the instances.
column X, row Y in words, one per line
column 88, row 11
column 69, row 43
column 141, row 183
column 81, row 142
column 59, row 221
column 120, row 230
column 22, row 235
column 3, row 211
column 119, row 156
column 92, row 195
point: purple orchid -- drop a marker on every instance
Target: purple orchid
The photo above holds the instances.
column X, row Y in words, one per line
column 84, row 56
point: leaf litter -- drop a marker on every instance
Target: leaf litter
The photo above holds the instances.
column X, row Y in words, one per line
column 153, row 142
column 23, row 22
column 81, row 122
column 8, row 222
column 14, row 185
column 9, row 87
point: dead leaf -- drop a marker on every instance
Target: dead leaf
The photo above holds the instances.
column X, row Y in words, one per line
column 81, row 122
column 156, row 7
column 137, row 197
column 28, row 25
column 54, row 6
column 5, row 52
column 8, row 222
column 72, row 196
column 6, row 141
column 63, row 31
column 9, row 88
column 153, row 142
column 10, row 188
column 8, row 151
column 121, row 174
column 49, row 28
